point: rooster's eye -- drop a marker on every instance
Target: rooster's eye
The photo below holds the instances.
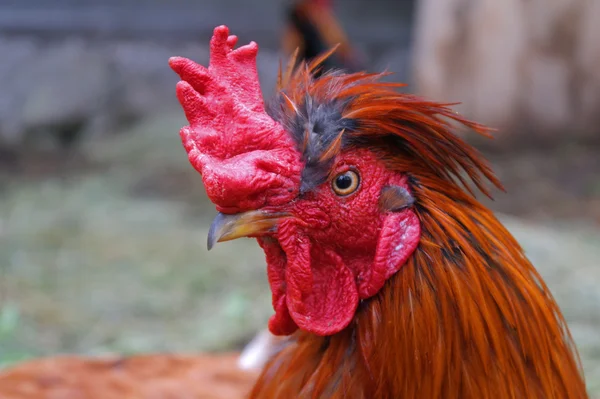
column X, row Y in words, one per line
column 345, row 183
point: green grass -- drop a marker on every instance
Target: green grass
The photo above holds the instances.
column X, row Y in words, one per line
column 9, row 328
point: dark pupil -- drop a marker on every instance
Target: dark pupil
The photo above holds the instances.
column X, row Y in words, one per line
column 343, row 182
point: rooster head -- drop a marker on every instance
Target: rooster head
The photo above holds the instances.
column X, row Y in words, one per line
column 322, row 179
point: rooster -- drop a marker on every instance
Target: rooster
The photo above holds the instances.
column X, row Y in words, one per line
column 392, row 279
column 389, row 279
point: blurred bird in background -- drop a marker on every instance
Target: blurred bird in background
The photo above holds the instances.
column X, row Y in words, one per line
column 312, row 29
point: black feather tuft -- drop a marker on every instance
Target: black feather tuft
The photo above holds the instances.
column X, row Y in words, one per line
column 314, row 128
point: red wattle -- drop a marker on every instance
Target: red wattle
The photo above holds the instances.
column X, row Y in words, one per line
column 321, row 293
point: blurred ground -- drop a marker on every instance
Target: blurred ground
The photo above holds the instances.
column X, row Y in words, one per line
column 96, row 248
column 548, row 182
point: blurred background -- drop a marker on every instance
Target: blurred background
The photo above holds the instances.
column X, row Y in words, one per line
column 103, row 223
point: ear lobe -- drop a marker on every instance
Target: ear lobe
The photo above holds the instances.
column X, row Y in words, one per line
column 398, row 239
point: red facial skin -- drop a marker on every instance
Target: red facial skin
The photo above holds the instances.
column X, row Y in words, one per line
column 336, row 250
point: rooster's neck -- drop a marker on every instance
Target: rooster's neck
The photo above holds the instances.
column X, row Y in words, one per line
column 467, row 317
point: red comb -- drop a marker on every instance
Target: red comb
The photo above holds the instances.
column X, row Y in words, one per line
column 231, row 73
column 246, row 158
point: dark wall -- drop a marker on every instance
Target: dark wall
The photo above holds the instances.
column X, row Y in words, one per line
column 371, row 22
column 94, row 64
